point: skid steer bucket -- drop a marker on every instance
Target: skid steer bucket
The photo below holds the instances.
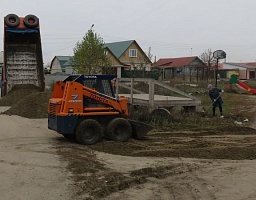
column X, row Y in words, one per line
column 139, row 129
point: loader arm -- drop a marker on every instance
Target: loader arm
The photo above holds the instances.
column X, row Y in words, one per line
column 75, row 98
column 119, row 104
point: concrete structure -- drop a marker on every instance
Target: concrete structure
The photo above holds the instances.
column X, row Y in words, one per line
column 154, row 99
column 50, row 79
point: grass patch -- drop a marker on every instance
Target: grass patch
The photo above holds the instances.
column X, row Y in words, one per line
column 235, row 105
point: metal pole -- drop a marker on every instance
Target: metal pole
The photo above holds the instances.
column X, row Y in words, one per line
column 117, row 87
column 216, row 73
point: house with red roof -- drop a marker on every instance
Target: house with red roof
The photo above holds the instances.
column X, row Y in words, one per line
column 181, row 67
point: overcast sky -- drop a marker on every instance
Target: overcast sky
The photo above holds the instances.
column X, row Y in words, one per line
column 171, row 28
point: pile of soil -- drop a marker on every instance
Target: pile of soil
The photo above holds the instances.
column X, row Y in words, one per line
column 33, row 105
column 17, row 93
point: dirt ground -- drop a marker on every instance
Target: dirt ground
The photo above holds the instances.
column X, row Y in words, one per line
column 37, row 163
column 29, row 165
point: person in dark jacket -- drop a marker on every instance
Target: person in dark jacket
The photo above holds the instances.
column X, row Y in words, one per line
column 215, row 96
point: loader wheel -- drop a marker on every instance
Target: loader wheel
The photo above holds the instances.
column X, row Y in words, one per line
column 69, row 136
column 119, row 129
column 89, row 132
column 12, row 20
column 31, row 21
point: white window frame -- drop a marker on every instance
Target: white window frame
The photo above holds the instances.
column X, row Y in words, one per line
column 133, row 53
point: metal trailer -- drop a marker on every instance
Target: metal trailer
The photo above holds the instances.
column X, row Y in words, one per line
column 23, row 60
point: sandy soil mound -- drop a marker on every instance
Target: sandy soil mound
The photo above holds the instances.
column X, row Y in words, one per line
column 17, row 93
column 33, row 105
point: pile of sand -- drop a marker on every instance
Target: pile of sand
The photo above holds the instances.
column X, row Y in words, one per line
column 27, row 101
column 31, row 106
column 17, row 93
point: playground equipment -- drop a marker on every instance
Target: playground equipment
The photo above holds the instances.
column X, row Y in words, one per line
column 234, row 80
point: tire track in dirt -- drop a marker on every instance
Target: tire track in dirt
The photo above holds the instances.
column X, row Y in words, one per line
column 187, row 186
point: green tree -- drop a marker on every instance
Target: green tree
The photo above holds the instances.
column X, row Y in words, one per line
column 90, row 56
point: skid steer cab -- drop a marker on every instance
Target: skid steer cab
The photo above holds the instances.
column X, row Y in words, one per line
column 85, row 107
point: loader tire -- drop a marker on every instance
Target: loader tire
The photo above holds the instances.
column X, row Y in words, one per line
column 69, row 136
column 88, row 132
column 119, row 129
column 31, row 21
column 12, row 20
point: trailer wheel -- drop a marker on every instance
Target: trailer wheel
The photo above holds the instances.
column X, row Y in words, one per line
column 31, row 21
column 160, row 114
column 119, row 129
column 89, row 132
column 12, row 20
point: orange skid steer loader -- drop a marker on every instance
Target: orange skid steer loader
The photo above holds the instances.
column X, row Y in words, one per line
column 85, row 107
